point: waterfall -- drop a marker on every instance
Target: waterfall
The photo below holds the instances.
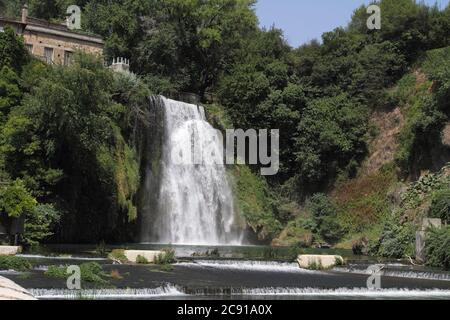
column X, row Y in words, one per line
column 194, row 200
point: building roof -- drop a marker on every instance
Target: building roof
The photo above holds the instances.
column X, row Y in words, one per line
column 43, row 26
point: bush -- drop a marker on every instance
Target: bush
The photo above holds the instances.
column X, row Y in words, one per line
column 397, row 241
column 438, row 248
column 324, row 216
column 59, row 272
column 141, row 260
column 168, row 257
column 118, row 255
column 14, row 263
column 440, row 205
column 39, row 223
column 90, row 272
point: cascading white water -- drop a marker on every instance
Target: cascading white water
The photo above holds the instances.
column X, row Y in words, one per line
column 195, row 203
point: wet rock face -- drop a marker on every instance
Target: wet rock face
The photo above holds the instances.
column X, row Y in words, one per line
column 11, row 291
column 150, row 145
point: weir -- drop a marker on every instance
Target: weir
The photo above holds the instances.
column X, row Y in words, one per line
column 186, row 203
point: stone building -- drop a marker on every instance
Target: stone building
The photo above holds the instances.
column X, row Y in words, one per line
column 50, row 42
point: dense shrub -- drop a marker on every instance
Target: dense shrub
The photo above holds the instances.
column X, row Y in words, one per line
column 324, row 218
column 14, row 263
column 438, row 248
column 440, row 205
column 397, row 240
column 90, row 272
column 167, row 257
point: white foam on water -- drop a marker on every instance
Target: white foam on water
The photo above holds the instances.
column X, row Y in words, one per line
column 346, row 292
column 10, row 272
column 36, row 256
column 108, row 294
column 174, row 292
column 40, row 268
column 265, row 266
column 411, row 274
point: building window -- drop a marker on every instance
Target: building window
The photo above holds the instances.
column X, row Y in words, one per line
column 68, row 55
column 48, row 54
column 29, row 47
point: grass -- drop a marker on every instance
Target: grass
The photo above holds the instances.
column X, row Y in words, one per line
column 314, row 265
column 14, row 263
column 166, row 258
column 141, row 260
column 166, row 268
column 363, row 202
column 118, row 255
column 91, row 272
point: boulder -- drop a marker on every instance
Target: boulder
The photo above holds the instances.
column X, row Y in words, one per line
column 10, row 250
column 11, row 291
column 319, row 262
column 150, row 256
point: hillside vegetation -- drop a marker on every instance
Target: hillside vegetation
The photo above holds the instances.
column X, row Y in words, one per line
column 69, row 136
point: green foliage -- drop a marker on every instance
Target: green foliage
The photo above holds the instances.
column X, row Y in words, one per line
column 165, row 258
column 426, row 113
column 256, row 203
column 66, row 138
column 331, row 136
column 364, row 201
column 16, row 200
column 91, row 272
column 70, row 133
column 438, row 248
column 323, row 213
column 437, row 67
column 14, row 263
column 141, row 260
column 118, row 255
column 396, row 241
column 59, row 272
column 39, row 223
column 440, row 205
column 50, row 9
column 10, row 93
column 12, row 50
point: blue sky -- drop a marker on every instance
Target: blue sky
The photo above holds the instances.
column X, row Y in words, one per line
column 304, row 20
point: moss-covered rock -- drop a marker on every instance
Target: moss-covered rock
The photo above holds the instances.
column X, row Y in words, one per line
column 255, row 203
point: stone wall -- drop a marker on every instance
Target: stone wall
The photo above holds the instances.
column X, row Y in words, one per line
column 37, row 40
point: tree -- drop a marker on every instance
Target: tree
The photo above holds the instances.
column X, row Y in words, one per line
column 331, row 136
column 323, row 213
column 440, row 205
column 39, row 223
column 10, row 93
column 51, row 9
column 12, row 50
column 16, row 200
column 194, row 40
column 438, row 248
